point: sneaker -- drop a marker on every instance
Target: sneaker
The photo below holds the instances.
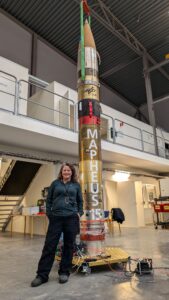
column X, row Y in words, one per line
column 63, row 278
column 37, row 281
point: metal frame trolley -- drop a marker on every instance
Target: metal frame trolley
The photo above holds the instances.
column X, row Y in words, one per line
column 161, row 212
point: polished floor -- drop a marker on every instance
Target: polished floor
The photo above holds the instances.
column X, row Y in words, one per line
column 19, row 257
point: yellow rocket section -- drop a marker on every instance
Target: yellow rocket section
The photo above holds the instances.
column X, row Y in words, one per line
column 90, row 164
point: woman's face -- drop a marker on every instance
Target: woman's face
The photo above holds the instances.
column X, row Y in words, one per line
column 66, row 173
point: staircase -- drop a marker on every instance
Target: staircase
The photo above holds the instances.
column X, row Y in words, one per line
column 8, row 205
column 6, row 172
column 14, row 183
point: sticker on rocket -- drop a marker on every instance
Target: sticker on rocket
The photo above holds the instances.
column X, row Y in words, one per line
column 88, row 91
column 91, row 90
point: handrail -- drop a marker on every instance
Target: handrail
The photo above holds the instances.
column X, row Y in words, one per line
column 22, row 80
column 33, row 79
column 44, row 106
column 128, row 124
column 8, row 74
column 64, row 123
column 7, row 93
column 14, row 81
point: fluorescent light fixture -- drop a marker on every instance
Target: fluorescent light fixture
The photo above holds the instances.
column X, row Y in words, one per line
column 120, row 176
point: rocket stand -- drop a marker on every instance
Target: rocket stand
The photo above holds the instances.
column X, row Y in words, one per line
column 111, row 256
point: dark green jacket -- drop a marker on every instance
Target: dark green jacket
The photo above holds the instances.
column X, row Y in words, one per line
column 64, row 199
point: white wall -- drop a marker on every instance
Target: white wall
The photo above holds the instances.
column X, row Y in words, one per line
column 111, row 195
column 127, row 202
column 164, row 187
column 41, row 105
column 52, row 105
column 129, row 197
column 139, row 204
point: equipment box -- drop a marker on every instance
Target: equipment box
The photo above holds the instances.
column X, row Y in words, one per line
column 161, row 209
column 28, row 211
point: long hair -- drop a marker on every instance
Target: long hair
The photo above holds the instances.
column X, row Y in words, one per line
column 74, row 175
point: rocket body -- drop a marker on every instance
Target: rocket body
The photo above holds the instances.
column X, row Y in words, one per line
column 90, row 161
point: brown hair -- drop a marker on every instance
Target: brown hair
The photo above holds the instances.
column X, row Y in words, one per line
column 74, row 175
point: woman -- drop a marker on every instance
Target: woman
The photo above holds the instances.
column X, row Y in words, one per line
column 64, row 206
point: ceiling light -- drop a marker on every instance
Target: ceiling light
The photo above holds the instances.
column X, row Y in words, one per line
column 120, row 176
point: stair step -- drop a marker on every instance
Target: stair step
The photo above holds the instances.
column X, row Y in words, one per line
column 9, row 200
column 6, row 205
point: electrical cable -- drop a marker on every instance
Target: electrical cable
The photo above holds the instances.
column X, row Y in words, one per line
column 132, row 274
column 80, row 255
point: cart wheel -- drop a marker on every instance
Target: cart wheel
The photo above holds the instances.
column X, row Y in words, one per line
column 88, row 272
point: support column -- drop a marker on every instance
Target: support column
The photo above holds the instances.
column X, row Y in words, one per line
column 150, row 103
column 33, row 61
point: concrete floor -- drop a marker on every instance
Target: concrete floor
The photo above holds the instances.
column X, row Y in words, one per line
column 19, row 257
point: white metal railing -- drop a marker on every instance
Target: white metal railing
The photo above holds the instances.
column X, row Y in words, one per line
column 34, row 99
column 47, row 106
column 8, row 91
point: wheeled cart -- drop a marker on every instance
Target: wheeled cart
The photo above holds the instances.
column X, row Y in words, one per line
column 161, row 212
column 111, row 256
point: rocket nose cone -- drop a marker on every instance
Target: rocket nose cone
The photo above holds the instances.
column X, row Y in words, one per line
column 88, row 36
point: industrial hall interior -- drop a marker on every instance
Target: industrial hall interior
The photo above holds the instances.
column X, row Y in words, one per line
column 84, row 88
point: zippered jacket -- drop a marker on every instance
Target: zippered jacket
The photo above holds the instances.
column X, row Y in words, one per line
column 64, row 199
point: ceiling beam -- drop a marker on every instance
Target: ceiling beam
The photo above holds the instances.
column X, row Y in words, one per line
column 113, row 24
column 118, row 68
column 156, row 100
column 157, row 66
column 161, row 99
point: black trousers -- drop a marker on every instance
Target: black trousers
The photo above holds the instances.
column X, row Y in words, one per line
column 69, row 226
